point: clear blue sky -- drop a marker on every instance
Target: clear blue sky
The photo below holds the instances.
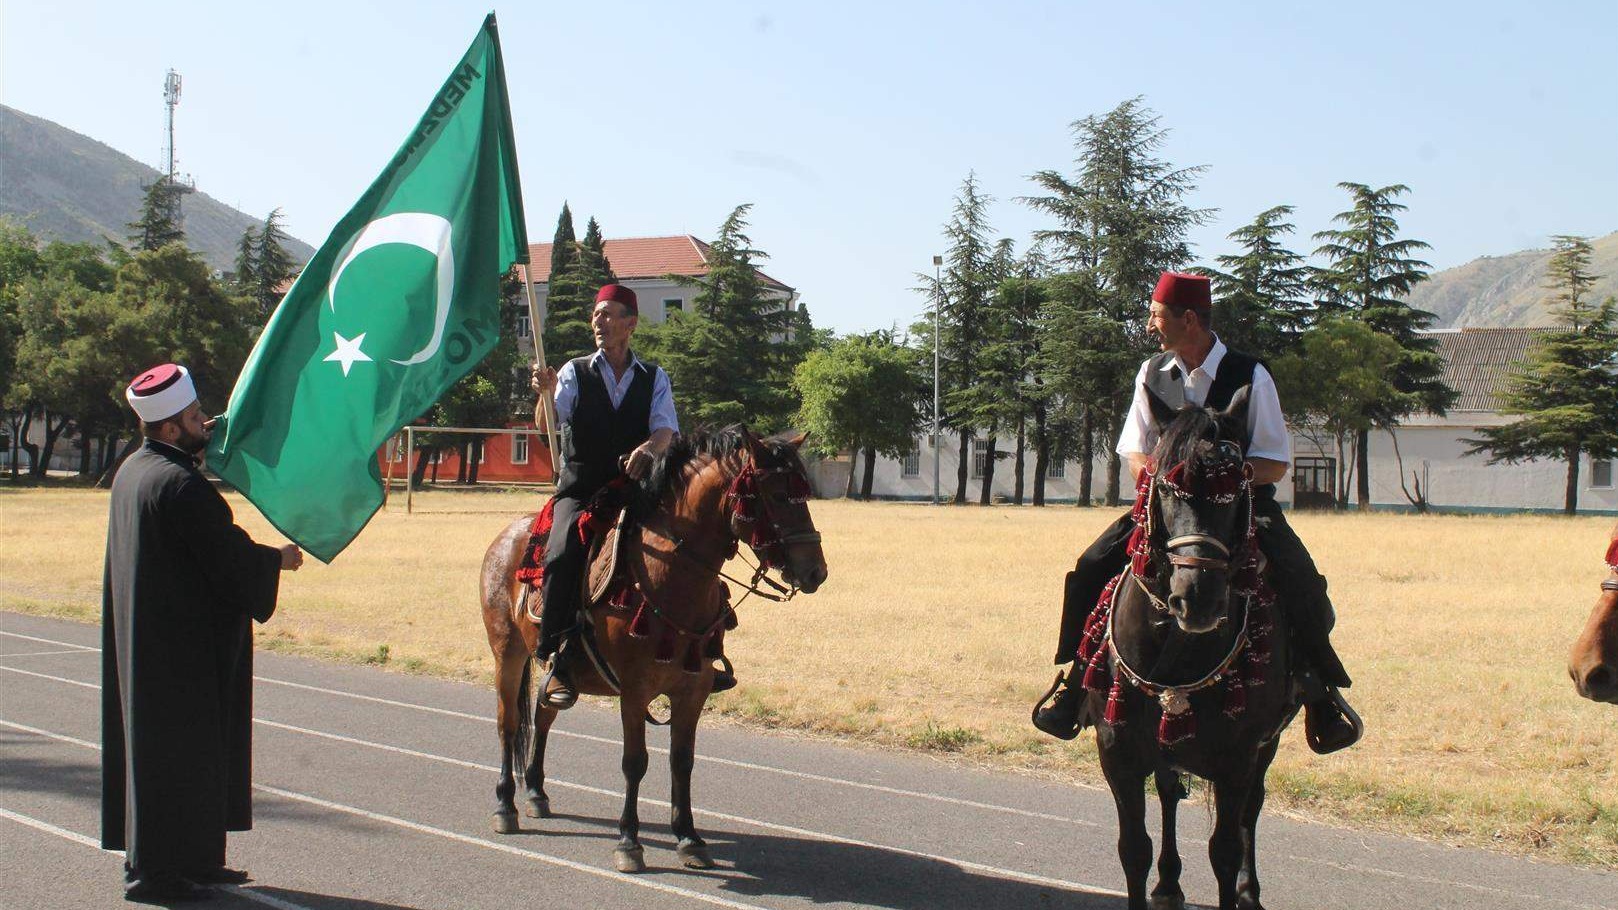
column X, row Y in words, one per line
column 850, row 125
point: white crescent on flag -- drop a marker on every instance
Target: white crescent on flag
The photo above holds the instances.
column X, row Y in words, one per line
column 419, row 229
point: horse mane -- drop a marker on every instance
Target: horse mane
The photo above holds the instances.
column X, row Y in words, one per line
column 668, row 474
column 1192, row 437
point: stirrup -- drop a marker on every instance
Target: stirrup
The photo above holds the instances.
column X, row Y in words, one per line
column 1324, row 744
column 557, row 692
column 1065, row 725
column 724, row 676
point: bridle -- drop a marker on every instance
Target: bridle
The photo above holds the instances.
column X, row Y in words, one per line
column 1228, row 486
column 744, row 504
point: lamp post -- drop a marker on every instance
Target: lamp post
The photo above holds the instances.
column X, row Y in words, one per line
column 938, row 296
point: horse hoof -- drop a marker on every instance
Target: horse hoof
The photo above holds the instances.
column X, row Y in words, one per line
column 629, row 859
column 538, row 807
column 1168, row 902
column 694, row 855
column 505, row 822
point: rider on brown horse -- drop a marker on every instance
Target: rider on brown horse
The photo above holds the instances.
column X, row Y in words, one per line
column 616, row 414
column 1196, row 368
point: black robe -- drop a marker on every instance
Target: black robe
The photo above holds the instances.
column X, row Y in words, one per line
column 180, row 584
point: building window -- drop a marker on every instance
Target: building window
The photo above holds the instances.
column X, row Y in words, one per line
column 396, row 449
column 1056, row 468
column 1601, row 473
column 670, row 304
column 912, row 465
column 523, row 325
column 519, row 448
column 980, row 456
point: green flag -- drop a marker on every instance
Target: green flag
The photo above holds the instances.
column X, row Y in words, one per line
column 401, row 301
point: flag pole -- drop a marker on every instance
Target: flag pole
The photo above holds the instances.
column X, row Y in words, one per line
column 543, row 408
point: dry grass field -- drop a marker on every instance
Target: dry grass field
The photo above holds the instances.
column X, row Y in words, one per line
column 935, row 628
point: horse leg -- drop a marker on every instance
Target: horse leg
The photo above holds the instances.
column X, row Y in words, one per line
column 1127, row 783
column 1247, row 877
column 1225, row 848
column 539, row 804
column 511, row 682
column 629, row 855
column 692, row 850
column 1168, row 895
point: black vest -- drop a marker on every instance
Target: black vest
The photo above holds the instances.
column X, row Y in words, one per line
column 596, row 435
column 1235, row 371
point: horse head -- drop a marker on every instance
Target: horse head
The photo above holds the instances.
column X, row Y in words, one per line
column 770, row 509
column 1593, row 663
column 1199, row 508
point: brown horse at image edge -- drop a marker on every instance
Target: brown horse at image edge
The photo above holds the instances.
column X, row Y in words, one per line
column 683, row 522
column 1593, row 663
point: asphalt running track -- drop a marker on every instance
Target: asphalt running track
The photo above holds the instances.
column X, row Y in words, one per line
column 374, row 791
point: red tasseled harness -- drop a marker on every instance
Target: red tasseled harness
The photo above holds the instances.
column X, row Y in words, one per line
column 747, row 510
column 1105, row 671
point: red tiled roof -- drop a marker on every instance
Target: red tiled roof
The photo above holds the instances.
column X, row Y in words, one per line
column 644, row 257
column 1479, row 362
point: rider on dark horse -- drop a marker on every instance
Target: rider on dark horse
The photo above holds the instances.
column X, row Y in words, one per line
column 616, row 415
column 1195, row 368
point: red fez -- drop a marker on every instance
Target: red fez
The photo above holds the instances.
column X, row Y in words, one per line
column 1183, row 291
column 621, row 294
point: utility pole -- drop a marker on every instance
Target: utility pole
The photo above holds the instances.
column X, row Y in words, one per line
column 938, row 297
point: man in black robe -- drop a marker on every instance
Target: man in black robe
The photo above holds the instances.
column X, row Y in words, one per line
column 181, row 582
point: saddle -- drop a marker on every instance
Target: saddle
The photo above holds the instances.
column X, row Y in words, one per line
column 601, row 525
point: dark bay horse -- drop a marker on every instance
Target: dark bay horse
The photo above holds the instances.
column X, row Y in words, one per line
column 1593, row 663
column 702, row 497
column 1194, row 670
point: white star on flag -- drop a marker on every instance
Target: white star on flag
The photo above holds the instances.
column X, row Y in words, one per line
column 348, row 351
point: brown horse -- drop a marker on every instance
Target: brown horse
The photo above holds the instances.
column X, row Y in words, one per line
column 1189, row 671
column 1594, row 661
column 702, row 497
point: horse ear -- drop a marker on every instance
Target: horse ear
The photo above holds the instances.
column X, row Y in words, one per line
column 797, row 441
column 1233, row 419
column 1162, row 413
column 755, row 448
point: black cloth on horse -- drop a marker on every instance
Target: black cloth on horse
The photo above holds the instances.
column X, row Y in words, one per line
column 181, row 584
column 595, row 437
column 1299, row 587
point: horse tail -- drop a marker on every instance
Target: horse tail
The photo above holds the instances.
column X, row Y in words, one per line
column 524, row 734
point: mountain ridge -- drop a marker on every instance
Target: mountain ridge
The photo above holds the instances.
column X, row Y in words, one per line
column 64, row 185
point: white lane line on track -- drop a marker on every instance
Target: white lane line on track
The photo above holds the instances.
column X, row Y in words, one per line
column 984, row 868
column 91, row 842
column 43, row 653
column 400, row 823
column 711, row 759
column 1429, row 880
column 747, row 765
column 60, row 679
column 51, row 641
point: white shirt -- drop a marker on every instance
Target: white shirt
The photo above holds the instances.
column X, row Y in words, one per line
column 662, row 414
column 1266, row 426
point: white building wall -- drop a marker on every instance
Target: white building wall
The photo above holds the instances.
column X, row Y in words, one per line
column 1452, row 481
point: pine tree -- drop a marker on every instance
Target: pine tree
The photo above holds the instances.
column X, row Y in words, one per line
column 732, row 355
column 272, row 265
column 569, row 298
column 563, row 252
column 593, row 257
column 1369, row 272
column 1567, row 393
column 159, row 222
column 963, row 295
column 1123, row 221
column 1263, row 293
column 246, row 280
